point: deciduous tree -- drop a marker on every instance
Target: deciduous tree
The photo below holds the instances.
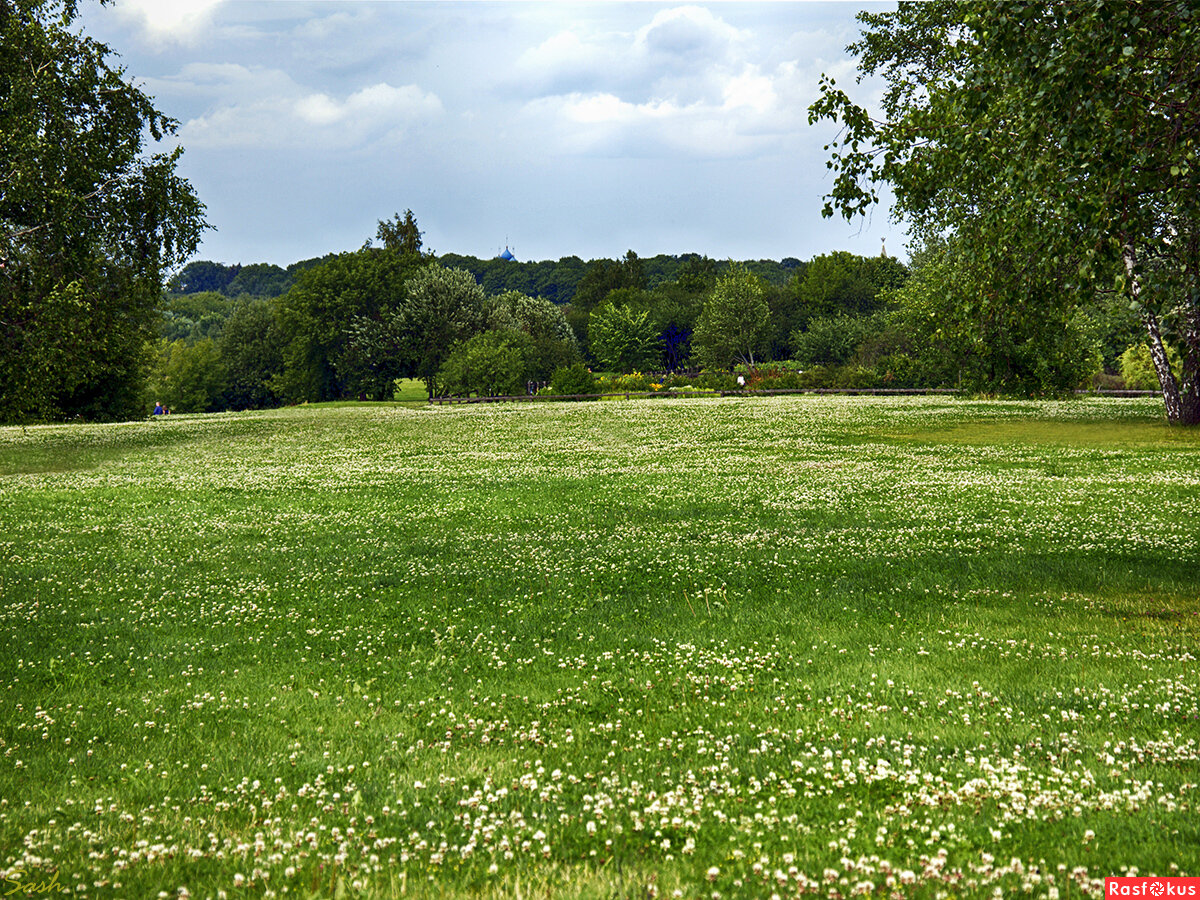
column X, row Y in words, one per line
column 251, row 349
column 623, row 337
column 733, row 326
column 443, row 308
column 333, row 320
column 188, row 378
column 553, row 341
column 1053, row 138
column 400, row 234
column 489, row 364
column 88, row 224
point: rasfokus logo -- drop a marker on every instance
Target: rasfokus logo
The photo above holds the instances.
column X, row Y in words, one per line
column 1152, row 887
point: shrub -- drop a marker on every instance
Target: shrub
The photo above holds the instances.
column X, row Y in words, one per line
column 831, row 340
column 715, row 381
column 573, row 379
column 777, row 380
column 817, row 377
column 855, row 377
column 899, row 370
column 1137, row 368
column 490, row 364
column 1103, row 381
column 634, row 382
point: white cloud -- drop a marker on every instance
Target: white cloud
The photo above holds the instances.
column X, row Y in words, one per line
column 319, row 109
column 750, row 90
column 266, row 108
column 378, row 103
column 567, row 62
column 606, row 125
column 689, row 33
column 310, row 119
column 672, row 57
column 169, row 21
column 333, row 26
column 686, row 82
column 563, row 50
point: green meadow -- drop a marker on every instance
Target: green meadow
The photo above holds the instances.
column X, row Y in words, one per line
column 832, row 647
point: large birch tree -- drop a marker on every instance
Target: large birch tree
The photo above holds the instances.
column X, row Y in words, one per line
column 1055, row 139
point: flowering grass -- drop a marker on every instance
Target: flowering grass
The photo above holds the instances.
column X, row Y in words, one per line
column 834, row 647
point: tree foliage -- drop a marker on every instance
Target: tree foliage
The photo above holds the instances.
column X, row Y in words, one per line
column 203, row 275
column 623, row 337
column 552, row 340
column 400, row 234
column 573, row 379
column 976, row 334
column 188, row 378
column 251, row 355
column 834, row 340
column 1137, row 367
column 259, row 280
column 489, row 364
column 192, row 317
column 842, row 282
column 88, row 224
column 443, row 307
column 1053, row 140
column 733, row 326
column 535, row 316
column 330, row 304
column 606, row 275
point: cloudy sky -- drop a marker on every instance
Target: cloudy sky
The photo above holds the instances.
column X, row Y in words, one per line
column 558, row 128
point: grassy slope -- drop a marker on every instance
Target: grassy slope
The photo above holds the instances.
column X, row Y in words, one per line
column 422, row 649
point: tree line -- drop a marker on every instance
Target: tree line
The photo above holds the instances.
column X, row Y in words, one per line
column 352, row 324
column 349, row 325
column 1055, row 221
column 556, row 280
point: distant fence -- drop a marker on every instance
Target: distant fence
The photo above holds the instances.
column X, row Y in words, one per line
column 658, row 395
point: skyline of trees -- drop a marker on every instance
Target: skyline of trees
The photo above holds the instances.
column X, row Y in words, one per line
column 350, row 324
column 841, row 320
column 347, row 329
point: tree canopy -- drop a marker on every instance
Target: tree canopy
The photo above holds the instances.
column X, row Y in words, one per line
column 324, row 357
column 623, row 338
column 443, row 308
column 88, row 224
column 400, row 233
column 1056, row 142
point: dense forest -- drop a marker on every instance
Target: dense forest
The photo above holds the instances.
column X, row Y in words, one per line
column 556, row 281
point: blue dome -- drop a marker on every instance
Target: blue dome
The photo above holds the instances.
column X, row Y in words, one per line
column 507, row 255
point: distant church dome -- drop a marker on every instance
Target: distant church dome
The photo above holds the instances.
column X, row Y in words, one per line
column 507, row 256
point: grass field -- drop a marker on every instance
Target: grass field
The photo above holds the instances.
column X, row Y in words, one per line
column 702, row 648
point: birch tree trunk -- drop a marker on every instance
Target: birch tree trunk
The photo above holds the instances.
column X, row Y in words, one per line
column 1189, row 376
column 1158, row 352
